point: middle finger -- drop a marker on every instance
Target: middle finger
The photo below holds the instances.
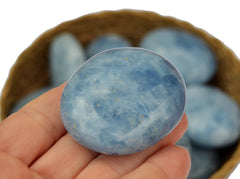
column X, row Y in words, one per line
column 64, row 160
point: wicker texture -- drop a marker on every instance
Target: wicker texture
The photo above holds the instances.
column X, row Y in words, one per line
column 30, row 71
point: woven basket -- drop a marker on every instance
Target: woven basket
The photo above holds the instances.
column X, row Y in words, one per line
column 30, row 72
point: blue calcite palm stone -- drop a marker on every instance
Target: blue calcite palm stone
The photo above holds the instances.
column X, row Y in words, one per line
column 105, row 42
column 204, row 162
column 214, row 117
column 66, row 54
column 123, row 101
column 184, row 141
column 190, row 54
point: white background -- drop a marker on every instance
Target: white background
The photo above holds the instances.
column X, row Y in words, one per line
column 21, row 22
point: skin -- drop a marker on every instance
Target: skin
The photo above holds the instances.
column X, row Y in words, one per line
column 35, row 144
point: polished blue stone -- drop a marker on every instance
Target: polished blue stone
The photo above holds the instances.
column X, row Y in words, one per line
column 29, row 97
column 123, row 101
column 214, row 117
column 184, row 141
column 106, row 41
column 204, row 162
column 186, row 51
column 66, row 54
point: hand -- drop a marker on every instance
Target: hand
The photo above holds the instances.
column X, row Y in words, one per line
column 34, row 144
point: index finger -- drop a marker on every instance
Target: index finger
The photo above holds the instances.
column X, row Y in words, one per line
column 31, row 131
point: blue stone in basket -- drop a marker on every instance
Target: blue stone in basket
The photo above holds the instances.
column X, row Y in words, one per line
column 188, row 52
column 214, row 117
column 123, row 101
column 105, row 42
column 184, row 141
column 204, row 162
column 66, row 55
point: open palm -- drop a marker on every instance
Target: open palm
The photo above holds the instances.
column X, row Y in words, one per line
column 34, row 144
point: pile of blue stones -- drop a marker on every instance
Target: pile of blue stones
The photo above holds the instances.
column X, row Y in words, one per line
column 214, row 117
